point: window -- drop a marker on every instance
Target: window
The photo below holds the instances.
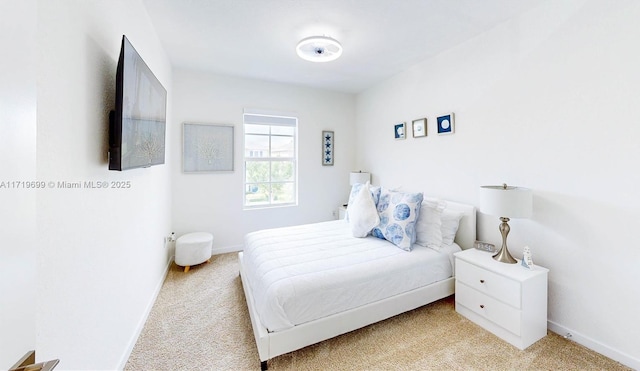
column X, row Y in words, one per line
column 270, row 160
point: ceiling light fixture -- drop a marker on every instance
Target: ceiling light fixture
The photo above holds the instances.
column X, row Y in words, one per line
column 319, row 49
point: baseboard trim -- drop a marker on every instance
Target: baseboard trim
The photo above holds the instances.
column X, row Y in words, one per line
column 145, row 316
column 594, row 345
column 226, row 249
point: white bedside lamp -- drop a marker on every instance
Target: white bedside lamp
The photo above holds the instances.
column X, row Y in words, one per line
column 359, row 177
column 506, row 202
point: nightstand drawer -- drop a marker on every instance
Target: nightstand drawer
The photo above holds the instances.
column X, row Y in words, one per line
column 499, row 313
column 489, row 283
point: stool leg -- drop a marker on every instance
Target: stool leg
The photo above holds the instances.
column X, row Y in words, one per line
column 186, row 268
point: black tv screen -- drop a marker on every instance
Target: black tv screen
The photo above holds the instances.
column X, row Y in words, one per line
column 137, row 126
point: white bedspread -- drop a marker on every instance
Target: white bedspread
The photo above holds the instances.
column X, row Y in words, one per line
column 298, row 274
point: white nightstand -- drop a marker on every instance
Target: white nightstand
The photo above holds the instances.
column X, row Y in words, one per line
column 342, row 211
column 507, row 299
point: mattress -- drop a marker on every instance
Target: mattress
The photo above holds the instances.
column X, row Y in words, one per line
column 302, row 273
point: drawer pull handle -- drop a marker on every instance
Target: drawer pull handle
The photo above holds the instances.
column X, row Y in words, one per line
column 481, row 306
column 481, row 281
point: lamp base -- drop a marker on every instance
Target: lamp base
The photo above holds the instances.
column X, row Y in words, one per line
column 503, row 255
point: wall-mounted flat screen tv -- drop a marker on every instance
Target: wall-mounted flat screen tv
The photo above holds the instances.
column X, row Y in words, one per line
column 137, row 126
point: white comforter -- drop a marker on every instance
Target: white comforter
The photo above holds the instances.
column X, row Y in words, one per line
column 298, row 274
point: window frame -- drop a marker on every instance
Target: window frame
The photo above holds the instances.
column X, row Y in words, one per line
column 270, row 121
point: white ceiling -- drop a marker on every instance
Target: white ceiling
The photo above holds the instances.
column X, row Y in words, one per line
column 257, row 38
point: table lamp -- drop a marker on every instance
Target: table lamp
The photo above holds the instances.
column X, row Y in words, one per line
column 359, row 177
column 506, row 202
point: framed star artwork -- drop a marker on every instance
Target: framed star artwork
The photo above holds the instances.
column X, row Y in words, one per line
column 327, row 148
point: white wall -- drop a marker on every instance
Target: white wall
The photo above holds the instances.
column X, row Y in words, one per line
column 18, row 163
column 548, row 101
column 213, row 201
column 101, row 252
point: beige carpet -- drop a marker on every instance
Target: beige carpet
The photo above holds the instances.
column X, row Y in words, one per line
column 200, row 322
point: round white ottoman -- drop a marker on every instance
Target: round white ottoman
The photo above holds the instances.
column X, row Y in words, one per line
column 193, row 248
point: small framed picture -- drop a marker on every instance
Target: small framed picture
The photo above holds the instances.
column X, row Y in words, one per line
column 446, row 124
column 399, row 130
column 419, row 128
column 327, row 148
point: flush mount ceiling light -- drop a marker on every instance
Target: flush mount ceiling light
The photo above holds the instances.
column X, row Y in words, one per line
column 319, row 49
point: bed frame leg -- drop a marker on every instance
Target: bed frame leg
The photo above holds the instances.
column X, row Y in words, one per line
column 264, row 366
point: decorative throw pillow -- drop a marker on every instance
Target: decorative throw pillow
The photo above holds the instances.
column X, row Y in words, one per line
column 375, row 193
column 428, row 226
column 450, row 222
column 363, row 215
column 398, row 214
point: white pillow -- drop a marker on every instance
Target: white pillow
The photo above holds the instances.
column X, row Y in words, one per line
column 375, row 193
column 429, row 226
column 450, row 221
column 363, row 216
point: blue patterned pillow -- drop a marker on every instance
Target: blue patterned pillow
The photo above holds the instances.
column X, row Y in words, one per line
column 398, row 214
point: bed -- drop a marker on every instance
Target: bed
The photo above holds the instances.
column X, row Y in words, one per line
column 291, row 275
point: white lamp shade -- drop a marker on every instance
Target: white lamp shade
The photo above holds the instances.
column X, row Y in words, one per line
column 508, row 202
column 359, row 177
